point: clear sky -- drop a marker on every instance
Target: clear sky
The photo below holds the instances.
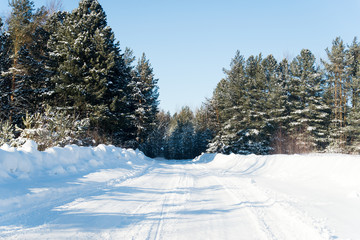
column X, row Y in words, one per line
column 189, row 42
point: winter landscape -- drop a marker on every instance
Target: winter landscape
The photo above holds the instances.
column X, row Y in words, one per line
column 112, row 193
column 88, row 151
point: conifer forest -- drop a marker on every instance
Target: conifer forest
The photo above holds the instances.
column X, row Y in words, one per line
column 64, row 79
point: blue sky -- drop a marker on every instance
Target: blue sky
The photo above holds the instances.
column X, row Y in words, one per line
column 189, row 42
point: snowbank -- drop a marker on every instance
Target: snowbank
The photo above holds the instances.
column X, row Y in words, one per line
column 27, row 161
column 122, row 194
column 334, row 168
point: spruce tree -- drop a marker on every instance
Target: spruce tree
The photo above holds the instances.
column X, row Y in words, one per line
column 229, row 97
column 253, row 134
column 203, row 133
column 26, row 71
column 278, row 107
column 217, row 106
column 155, row 143
column 181, row 139
column 5, row 79
column 309, row 114
column 145, row 99
column 91, row 77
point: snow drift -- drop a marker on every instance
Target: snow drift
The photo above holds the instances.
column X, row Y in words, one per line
column 26, row 162
column 338, row 169
column 66, row 193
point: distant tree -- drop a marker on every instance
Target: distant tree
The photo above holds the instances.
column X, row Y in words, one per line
column 309, row 114
column 228, row 99
column 353, row 73
column 244, row 123
column 144, row 98
column 181, row 136
column 203, row 129
column 337, row 93
column 217, row 105
column 278, row 107
column 155, row 143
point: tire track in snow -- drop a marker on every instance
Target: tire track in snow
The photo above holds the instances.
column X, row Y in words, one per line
column 258, row 219
column 53, row 198
column 291, row 205
column 169, row 203
column 272, row 212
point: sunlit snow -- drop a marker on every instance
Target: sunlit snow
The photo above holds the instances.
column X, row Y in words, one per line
column 106, row 192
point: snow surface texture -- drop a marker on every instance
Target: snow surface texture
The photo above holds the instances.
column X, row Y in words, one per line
column 112, row 193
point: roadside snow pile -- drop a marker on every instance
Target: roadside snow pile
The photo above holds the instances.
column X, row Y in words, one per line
column 332, row 168
column 27, row 161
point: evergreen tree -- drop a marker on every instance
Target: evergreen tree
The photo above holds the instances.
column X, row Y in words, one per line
column 228, row 100
column 278, row 108
column 217, row 105
column 145, row 99
column 203, row 133
column 181, row 139
column 252, row 135
column 155, row 144
column 91, row 77
column 337, row 93
column 309, row 115
column 5, row 79
column 35, row 84
column 26, row 71
column 243, row 95
column 353, row 72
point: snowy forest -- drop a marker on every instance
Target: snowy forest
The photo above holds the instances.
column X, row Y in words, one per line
column 65, row 80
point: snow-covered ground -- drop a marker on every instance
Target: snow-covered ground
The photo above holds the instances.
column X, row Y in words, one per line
column 112, row 193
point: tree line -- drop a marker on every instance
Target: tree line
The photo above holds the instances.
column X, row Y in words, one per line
column 263, row 106
column 64, row 78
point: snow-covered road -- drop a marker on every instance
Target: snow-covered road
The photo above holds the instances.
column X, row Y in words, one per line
column 213, row 197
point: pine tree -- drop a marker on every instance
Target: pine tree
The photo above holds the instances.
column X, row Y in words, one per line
column 337, row 93
column 23, row 28
column 180, row 136
column 145, row 99
column 35, row 84
column 217, row 106
column 353, row 72
column 242, row 97
column 228, row 100
column 155, row 143
column 203, row 133
column 5, row 79
column 309, row 114
column 91, row 77
column 278, row 108
column 253, row 134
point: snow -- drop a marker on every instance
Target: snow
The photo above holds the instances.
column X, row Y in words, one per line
column 27, row 162
column 106, row 192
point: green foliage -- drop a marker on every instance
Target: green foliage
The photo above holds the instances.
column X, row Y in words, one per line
column 6, row 133
column 241, row 104
column 144, row 98
column 155, row 143
column 90, row 75
column 54, row 127
column 309, row 114
column 263, row 106
column 97, row 94
column 5, row 79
